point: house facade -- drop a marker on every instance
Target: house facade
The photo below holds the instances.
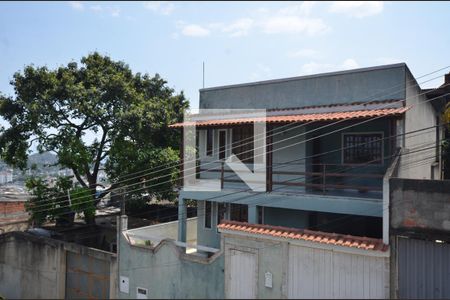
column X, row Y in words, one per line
column 330, row 140
column 331, row 143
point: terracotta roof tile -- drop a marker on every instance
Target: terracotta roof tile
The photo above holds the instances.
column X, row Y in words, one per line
column 307, row 235
column 329, row 116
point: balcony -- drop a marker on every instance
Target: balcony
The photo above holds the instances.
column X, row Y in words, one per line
column 360, row 181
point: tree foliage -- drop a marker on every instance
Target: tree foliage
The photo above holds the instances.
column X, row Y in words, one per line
column 50, row 202
column 128, row 113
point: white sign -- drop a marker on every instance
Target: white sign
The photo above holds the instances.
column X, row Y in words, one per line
column 124, row 284
column 268, row 280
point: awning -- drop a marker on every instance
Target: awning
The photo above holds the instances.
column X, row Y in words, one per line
column 297, row 118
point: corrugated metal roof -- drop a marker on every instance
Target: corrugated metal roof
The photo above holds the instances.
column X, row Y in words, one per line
column 329, row 116
column 364, row 243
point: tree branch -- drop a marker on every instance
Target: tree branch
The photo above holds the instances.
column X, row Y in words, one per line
column 80, row 180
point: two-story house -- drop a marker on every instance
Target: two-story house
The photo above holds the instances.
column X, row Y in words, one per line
column 330, row 139
column 317, row 223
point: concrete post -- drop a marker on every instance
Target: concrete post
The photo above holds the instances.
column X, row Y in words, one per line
column 252, row 214
column 123, row 222
column 182, row 216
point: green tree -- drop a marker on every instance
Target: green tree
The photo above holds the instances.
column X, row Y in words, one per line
column 128, row 112
column 51, row 202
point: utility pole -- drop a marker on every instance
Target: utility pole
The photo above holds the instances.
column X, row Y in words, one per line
column 203, row 74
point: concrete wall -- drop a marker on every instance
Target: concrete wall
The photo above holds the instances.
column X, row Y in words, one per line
column 167, row 272
column 168, row 230
column 309, row 270
column 420, row 205
column 31, row 267
column 422, row 115
column 35, row 267
column 378, row 83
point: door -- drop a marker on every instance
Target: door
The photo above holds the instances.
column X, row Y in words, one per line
column 86, row 277
column 423, row 269
column 222, row 144
column 242, row 275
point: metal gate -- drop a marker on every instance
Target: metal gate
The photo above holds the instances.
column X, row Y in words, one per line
column 423, row 269
column 241, row 277
column 315, row 273
column 86, row 277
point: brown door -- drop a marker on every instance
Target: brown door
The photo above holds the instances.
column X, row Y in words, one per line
column 222, row 143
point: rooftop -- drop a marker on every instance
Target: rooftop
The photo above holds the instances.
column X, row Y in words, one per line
column 359, row 70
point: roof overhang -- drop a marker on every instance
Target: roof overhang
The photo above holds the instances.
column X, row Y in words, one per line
column 306, row 114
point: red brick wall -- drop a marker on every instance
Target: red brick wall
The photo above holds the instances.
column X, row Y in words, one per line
column 9, row 207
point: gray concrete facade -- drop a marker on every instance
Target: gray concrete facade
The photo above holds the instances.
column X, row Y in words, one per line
column 360, row 85
column 36, row 267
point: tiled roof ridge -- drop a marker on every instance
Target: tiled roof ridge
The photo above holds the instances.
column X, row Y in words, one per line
column 318, row 116
column 340, row 104
column 366, row 243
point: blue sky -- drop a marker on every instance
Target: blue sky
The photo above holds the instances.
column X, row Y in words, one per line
column 239, row 41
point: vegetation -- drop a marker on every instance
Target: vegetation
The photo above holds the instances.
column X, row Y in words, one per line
column 128, row 113
column 53, row 203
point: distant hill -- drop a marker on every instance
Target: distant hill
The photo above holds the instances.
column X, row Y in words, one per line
column 42, row 159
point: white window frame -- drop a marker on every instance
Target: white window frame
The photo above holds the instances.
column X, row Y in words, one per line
column 362, row 133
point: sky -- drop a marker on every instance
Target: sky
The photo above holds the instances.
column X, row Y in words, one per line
column 238, row 41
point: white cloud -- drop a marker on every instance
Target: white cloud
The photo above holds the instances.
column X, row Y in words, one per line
column 262, row 72
column 303, row 53
column 304, row 9
column 240, row 27
column 315, row 67
column 294, row 24
column 76, row 5
column 194, row 30
column 357, row 9
column 114, row 11
column 387, row 60
column 290, row 19
column 96, row 8
column 349, row 63
column 161, row 7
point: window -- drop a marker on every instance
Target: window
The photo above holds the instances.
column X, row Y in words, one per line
column 243, row 143
column 208, row 214
column 359, row 148
column 209, row 142
column 221, row 211
column 260, row 214
column 239, row 212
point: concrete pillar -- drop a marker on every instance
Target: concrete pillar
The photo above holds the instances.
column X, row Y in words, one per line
column 252, row 214
column 182, row 216
column 123, row 222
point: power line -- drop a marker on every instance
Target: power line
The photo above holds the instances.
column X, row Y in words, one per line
column 300, row 142
column 299, row 126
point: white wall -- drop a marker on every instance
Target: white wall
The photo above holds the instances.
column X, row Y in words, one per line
column 319, row 273
column 422, row 115
column 302, row 269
